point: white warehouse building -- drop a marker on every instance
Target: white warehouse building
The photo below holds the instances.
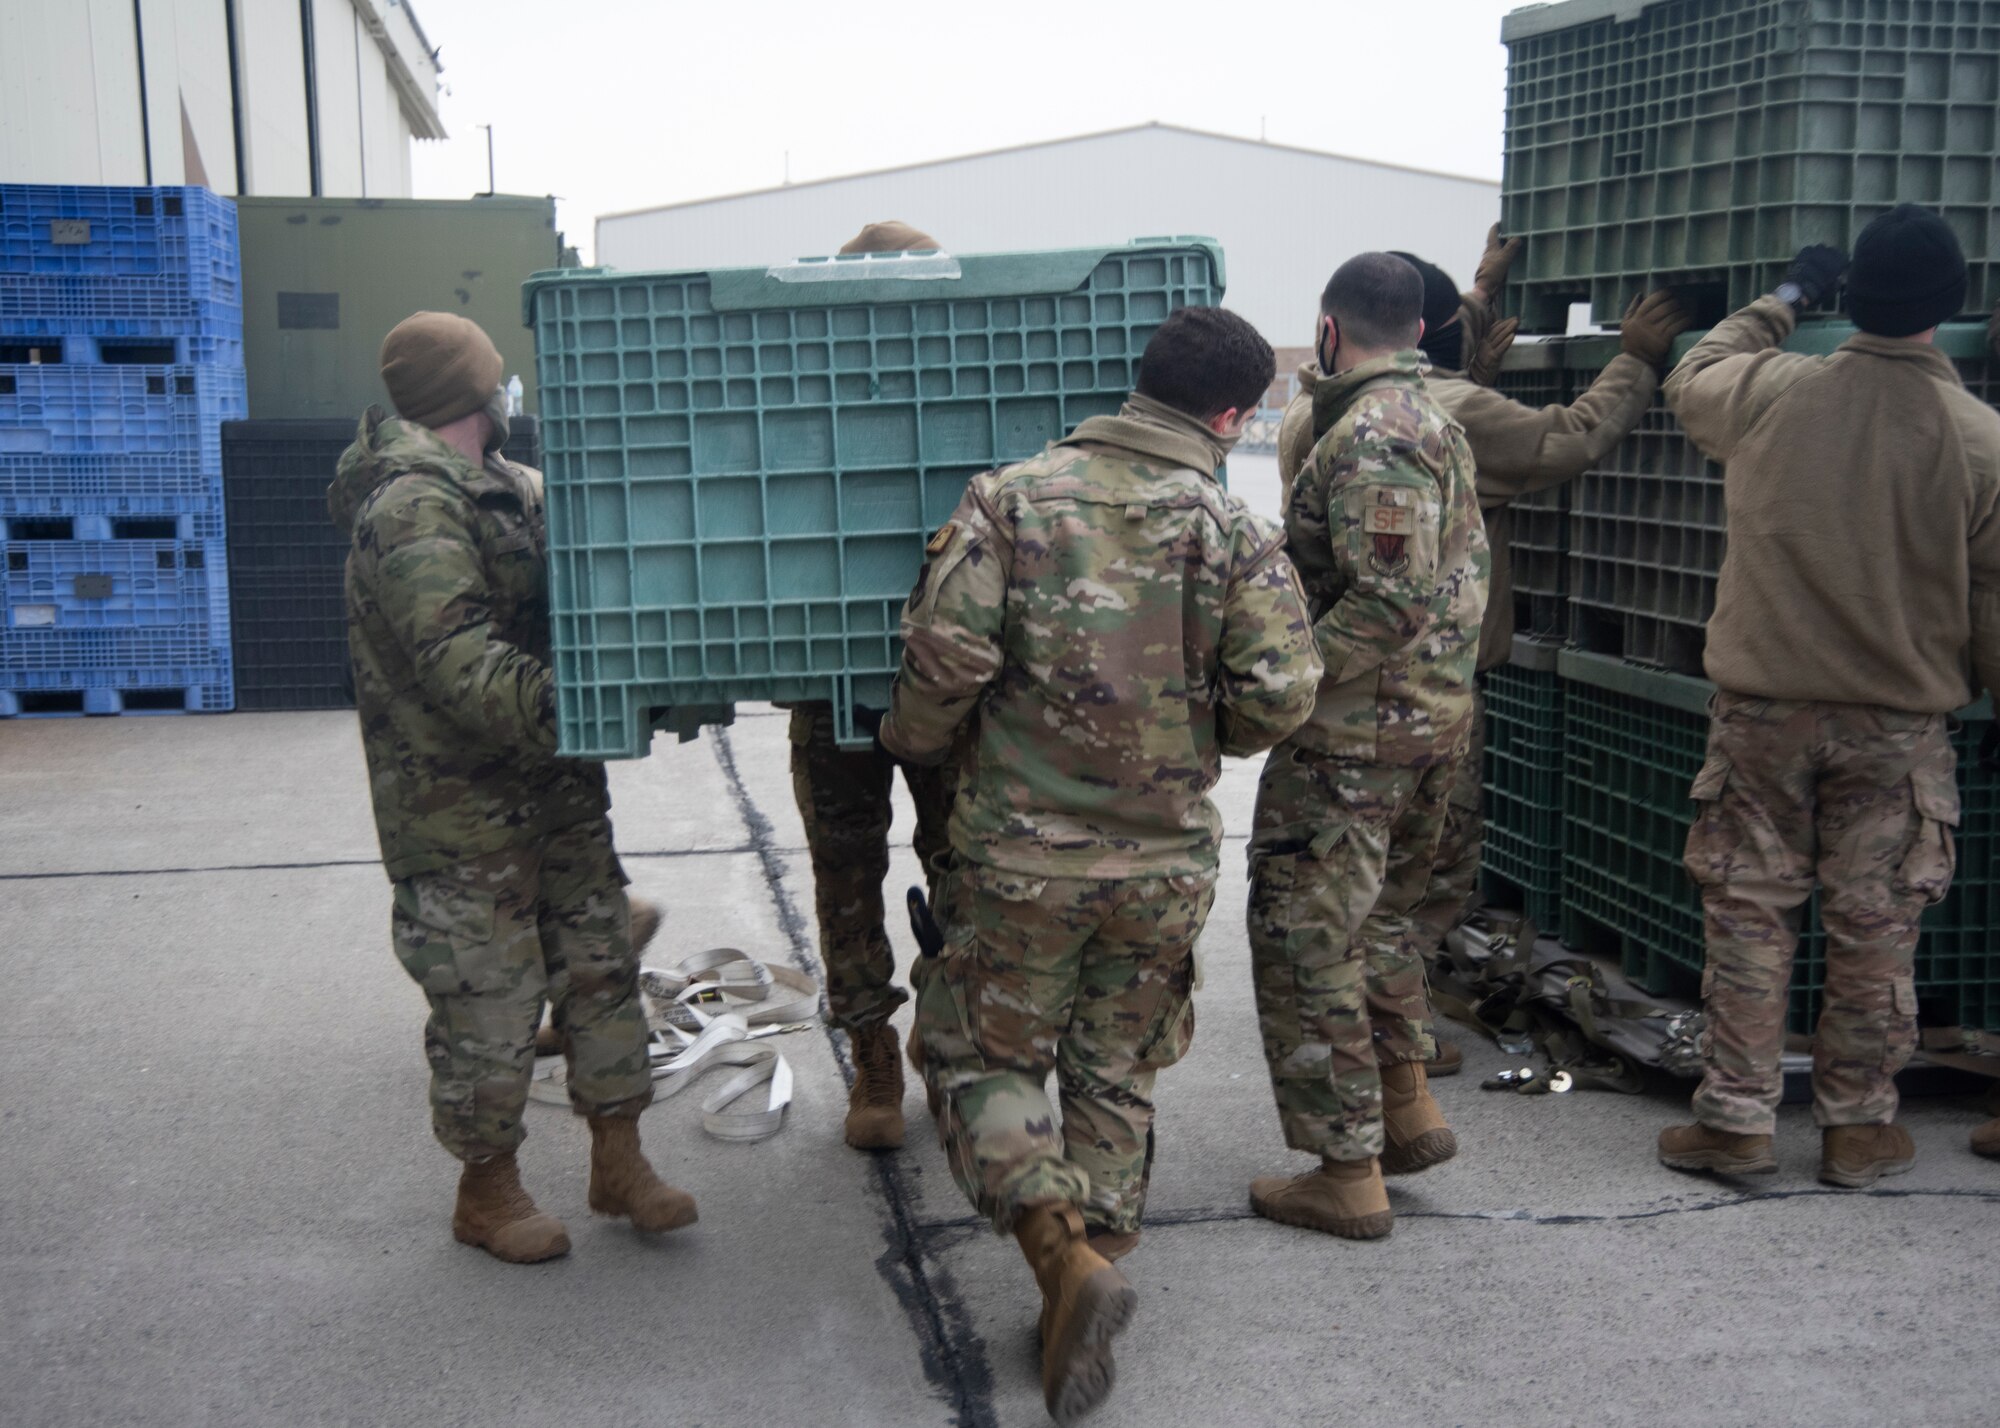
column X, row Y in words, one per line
column 288, row 98
column 1286, row 217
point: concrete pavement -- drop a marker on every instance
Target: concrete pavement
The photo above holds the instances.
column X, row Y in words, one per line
column 219, row 1201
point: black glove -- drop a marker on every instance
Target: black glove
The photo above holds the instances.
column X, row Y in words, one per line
column 1814, row 273
column 1989, row 746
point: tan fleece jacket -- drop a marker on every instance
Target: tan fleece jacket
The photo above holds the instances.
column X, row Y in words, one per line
column 1518, row 450
column 1863, row 500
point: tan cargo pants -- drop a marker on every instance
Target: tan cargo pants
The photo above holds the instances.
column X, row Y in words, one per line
column 1861, row 801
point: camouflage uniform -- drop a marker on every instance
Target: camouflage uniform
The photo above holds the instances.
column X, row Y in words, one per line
column 1863, row 800
column 1518, row 450
column 1384, row 524
column 1863, row 498
column 505, row 882
column 1120, row 623
column 843, row 798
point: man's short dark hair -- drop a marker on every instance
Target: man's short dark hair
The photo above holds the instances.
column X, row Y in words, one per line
column 1376, row 298
column 1203, row 360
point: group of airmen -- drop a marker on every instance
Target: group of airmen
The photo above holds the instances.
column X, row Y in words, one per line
column 1093, row 630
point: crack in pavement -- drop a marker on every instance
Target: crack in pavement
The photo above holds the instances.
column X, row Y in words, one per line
column 376, row 862
column 1559, row 1219
column 952, row 1353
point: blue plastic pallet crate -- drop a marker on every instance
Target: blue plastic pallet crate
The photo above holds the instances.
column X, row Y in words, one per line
column 71, row 432
column 743, row 464
column 186, row 235
column 60, row 586
column 201, row 689
column 214, row 339
column 113, row 517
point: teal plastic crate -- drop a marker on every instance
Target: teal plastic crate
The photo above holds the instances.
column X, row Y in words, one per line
column 743, row 464
column 1701, row 143
column 1523, row 855
column 1634, row 741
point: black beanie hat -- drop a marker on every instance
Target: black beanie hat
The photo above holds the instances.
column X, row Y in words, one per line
column 1908, row 273
column 1440, row 292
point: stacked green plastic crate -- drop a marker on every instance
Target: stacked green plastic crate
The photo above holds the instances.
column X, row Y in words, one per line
column 1697, row 144
column 743, row 464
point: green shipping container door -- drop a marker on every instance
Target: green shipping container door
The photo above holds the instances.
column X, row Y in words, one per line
column 743, row 464
column 324, row 279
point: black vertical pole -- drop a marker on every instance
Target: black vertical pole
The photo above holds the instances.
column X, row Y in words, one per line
column 145, row 119
column 312, row 90
column 235, row 95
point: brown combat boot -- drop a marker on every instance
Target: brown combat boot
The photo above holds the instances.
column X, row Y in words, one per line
column 1112, row 1245
column 1086, row 1303
column 1414, row 1135
column 495, row 1214
column 548, row 1041
column 1855, row 1157
column 1700, row 1147
column 1986, row 1139
column 1342, row 1197
column 622, row 1183
column 875, row 1104
column 1450, row 1060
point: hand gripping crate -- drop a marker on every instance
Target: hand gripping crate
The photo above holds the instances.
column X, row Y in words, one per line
column 1522, row 860
column 1647, row 526
column 744, row 464
column 1700, row 143
column 1635, row 739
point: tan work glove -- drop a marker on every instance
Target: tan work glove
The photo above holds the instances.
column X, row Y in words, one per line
column 1487, row 358
column 1651, row 324
column 1491, row 275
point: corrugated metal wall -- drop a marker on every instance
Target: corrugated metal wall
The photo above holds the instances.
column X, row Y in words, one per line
column 1286, row 218
column 70, row 111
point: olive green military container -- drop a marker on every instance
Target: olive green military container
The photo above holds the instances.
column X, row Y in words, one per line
column 325, row 278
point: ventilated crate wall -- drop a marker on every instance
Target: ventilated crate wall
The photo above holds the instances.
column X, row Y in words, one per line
column 1701, row 143
column 1629, row 764
column 288, row 562
column 743, row 467
column 1540, row 522
column 121, row 354
column 1522, row 859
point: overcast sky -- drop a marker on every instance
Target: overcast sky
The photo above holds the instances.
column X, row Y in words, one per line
column 620, row 104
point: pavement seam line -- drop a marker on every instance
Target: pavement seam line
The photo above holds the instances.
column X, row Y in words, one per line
column 310, row 867
column 1170, row 1218
column 952, row 1354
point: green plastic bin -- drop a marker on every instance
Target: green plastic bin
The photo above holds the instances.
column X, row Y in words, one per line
column 1701, row 143
column 743, row 464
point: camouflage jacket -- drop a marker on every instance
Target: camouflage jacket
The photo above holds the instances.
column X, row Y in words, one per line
column 448, row 630
column 1519, row 449
column 1384, row 525
column 1118, row 622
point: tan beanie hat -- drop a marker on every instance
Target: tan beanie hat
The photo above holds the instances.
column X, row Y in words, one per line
column 890, row 237
column 439, row 367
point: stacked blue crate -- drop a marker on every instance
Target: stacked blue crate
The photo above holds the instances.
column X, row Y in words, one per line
column 121, row 355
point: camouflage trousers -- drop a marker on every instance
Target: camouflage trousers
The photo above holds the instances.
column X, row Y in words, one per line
column 843, row 798
column 1862, row 801
column 1092, row 980
column 487, row 939
column 1340, row 855
column 1454, row 889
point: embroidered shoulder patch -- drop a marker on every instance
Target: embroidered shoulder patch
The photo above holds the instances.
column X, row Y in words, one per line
column 941, row 542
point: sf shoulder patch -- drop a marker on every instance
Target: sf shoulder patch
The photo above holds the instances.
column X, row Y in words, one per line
column 941, row 542
column 1390, row 528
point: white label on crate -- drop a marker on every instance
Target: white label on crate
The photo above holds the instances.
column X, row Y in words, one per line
column 34, row 617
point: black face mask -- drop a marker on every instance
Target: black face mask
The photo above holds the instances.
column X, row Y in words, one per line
column 1446, row 347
